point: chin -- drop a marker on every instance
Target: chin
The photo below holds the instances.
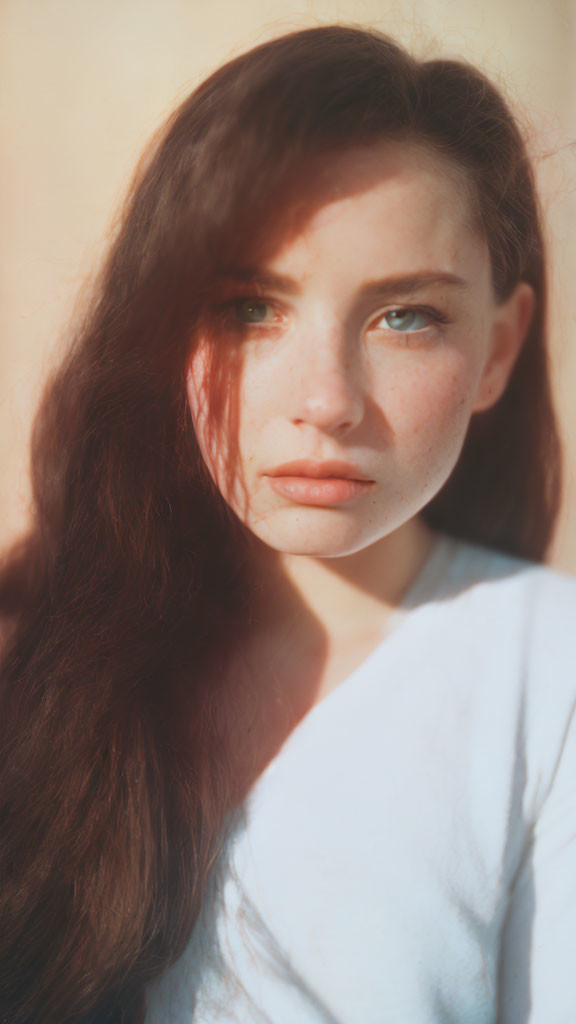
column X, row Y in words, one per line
column 321, row 539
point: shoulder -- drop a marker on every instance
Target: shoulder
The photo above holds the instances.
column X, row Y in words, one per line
column 514, row 622
column 516, row 616
column 526, row 615
column 544, row 597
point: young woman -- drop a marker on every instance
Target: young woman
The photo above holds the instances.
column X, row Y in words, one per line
column 287, row 696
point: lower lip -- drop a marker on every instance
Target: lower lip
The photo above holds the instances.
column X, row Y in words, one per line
column 319, row 490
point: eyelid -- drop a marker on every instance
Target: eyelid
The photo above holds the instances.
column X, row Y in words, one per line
column 225, row 308
column 435, row 316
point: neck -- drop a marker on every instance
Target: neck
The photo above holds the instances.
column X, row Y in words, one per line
column 339, row 599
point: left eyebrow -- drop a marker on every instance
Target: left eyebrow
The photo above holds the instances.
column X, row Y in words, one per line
column 407, row 284
column 385, row 287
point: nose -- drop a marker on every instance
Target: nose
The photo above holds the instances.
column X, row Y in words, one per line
column 328, row 389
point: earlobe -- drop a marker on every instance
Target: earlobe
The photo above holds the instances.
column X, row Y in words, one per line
column 509, row 329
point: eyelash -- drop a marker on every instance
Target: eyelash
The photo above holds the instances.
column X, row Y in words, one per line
column 433, row 315
column 226, row 309
column 225, row 313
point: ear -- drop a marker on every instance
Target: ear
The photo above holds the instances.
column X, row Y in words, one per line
column 510, row 325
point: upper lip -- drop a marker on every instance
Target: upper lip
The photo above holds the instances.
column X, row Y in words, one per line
column 314, row 468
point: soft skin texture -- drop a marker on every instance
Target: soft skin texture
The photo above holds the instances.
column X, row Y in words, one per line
column 326, row 376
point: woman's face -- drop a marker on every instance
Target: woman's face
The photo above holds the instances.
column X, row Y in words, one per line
column 370, row 336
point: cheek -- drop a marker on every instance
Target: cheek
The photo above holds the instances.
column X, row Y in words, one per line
column 429, row 407
column 196, row 394
column 217, row 411
column 209, row 440
column 196, row 379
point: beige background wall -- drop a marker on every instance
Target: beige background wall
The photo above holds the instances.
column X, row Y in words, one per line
column 83, row 83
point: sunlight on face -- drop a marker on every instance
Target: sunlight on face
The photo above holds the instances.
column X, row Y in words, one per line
column 371, row 336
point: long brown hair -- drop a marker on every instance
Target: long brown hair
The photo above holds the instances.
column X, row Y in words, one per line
column 115, row 784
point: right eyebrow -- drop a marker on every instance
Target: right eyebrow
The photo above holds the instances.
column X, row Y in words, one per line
column 256, row 278
column 386, row 287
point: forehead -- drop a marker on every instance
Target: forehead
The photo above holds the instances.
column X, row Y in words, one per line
column 381, row 167
column 391, row 202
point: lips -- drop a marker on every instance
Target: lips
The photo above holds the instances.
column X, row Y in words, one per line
column 312, row 468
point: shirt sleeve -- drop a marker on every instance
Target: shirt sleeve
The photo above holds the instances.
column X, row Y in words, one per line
column 538, row 951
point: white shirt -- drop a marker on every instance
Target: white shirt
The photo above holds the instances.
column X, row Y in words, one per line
column 409, row 856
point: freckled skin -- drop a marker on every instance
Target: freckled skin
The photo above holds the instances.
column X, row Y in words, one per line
column 326, row 377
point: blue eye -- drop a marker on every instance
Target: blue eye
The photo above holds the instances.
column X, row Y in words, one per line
column 407, row 320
